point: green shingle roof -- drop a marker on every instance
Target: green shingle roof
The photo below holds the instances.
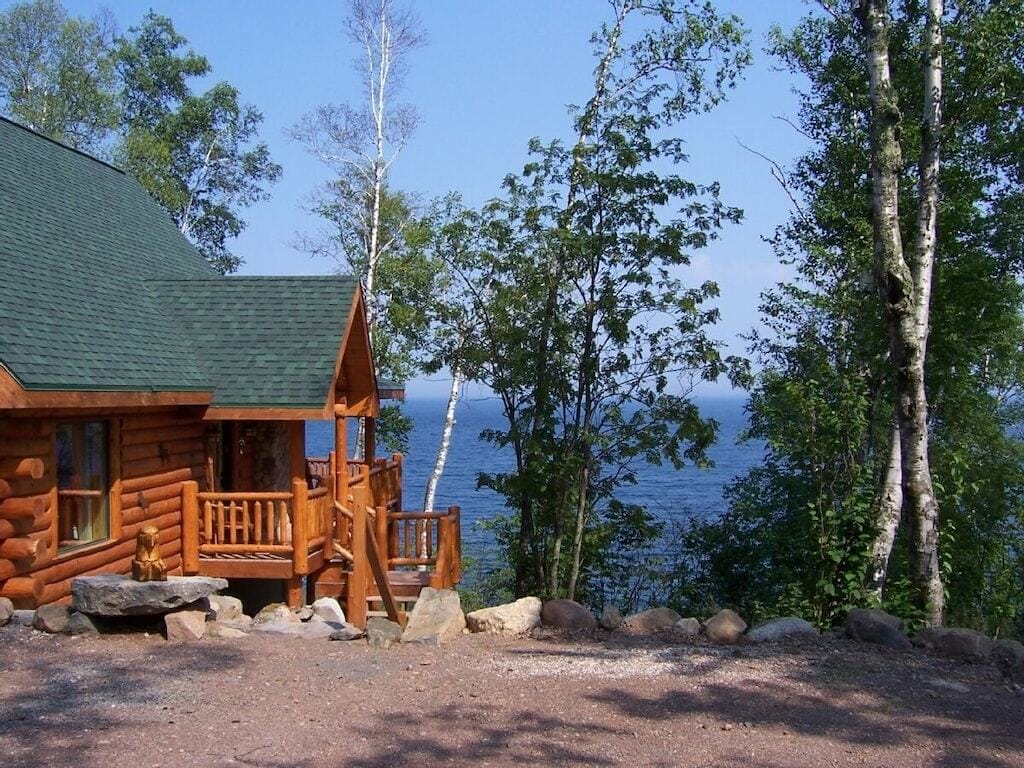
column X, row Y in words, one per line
column 270, row 342
column 100, row 291
column 77, row 239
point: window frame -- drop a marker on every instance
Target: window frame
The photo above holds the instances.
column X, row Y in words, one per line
column 111, row 489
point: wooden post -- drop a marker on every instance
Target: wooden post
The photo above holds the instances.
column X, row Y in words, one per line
column 399, row 482
column 355, row 610
column 300, row 527
column 370, row 440
column 456, row 531
column 341, row 451
column 293, row 592
column 382, row 534
column 190, row 527
column 297, row 441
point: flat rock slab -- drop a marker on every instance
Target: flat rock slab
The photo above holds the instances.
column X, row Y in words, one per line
column 111, row 594
column 516, row 618
column 786, row 628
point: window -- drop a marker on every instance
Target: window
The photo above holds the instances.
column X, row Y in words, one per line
column 83, row 512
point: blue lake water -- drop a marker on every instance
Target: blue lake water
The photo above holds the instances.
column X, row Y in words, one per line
column 669, row 493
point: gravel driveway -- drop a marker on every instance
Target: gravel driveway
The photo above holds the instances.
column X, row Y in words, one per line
column 138, row 701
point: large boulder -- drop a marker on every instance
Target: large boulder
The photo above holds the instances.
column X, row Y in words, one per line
column 6, row 611
column 225, row 608
column 687, row 629
column 314, row 629
column 953, row 643
column 652, row 620
column 52, row 618
column 877, row 627
column 436, row 618
column 611, row 618
column 185, row 626
column 82, row 624
column 329, row 609
column 726, row 626
column 567, row 614
column 516, row 618
column 110, row 594
column 1009, row 657
column 23, row 617
column 785, row 628
column 276, row 613
column 381, row 632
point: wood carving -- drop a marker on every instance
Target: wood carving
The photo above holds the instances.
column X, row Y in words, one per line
column 148, row 565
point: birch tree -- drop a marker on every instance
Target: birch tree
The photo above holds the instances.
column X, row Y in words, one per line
column 904, row 282
column 360, row 143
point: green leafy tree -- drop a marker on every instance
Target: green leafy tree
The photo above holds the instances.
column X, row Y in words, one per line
column 57, row 73
column 802, row 531
column 197, row 154
column 584, row 331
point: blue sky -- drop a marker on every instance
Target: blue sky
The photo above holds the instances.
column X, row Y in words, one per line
column 494, row 74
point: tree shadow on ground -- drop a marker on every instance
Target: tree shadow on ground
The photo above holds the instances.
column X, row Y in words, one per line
column 65, row 707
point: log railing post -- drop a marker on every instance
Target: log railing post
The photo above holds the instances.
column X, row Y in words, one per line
column 355, row 609
column 190, row 527
column 300, row 527
column 456, row 553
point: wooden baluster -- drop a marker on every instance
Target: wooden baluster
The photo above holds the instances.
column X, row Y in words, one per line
column 382, row 534
column 232, row 524
column 258, row 522
column 220, row 522
column 190, row 527
column 208, row 522
column 245, row 521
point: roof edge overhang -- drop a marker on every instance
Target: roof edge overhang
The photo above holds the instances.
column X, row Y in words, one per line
column 369, row 406
column 263, row 413
column 15, row 396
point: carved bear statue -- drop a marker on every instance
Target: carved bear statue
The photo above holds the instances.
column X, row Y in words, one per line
column 148, row 565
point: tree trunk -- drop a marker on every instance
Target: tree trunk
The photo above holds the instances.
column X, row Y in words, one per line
column 577, row 539
column 446, row 439
column 905, row 292
column 890, row 509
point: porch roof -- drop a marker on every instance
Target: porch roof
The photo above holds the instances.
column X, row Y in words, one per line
column 263, row 342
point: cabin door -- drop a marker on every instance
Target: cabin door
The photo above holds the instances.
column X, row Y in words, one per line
column 239, row 453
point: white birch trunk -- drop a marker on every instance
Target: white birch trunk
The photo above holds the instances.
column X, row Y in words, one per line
column 890, row 509
column 446, row 440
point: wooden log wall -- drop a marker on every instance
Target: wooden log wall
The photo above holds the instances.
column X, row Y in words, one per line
column 151, row 455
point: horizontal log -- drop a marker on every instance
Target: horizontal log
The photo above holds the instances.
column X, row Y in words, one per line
column 136, row 469
column 22, row 588
column 192, row 431
column 19, row 448
column 138, row 514
column 23, row 508
column 12, row 429
column 412, row 560
column 245, row 549
column 160, row 448
column 243, row 496
column 157, row 480
column 21, row 548
column 23, row 526
column 30, row 467
column 5, row 489
column 158, row 493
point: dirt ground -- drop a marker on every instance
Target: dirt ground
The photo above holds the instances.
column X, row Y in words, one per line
column 134, row 700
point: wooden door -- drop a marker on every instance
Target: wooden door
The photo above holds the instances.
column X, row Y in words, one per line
column 241, row 448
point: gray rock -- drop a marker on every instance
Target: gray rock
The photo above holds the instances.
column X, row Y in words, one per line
column 6, row 611
column 185, row 626
column 305, row 613
column 611, row 618
column 225, row 608
column 515, row 618
column 1009, row 657
column 687, row 629
column 567, row 614
column 110, row 594
column 953, row 643
column 23, row 617
column 436, row 618
column 652, row 620
column 726, row 626
column 275, row 613
column 381, row 632
column 329, row 609
column 224, row 630
column 785, row 628
column 314, row 629
column 82, row 624
column 346, row 632
column 877, row 627
column 242, row 623
column 52, row 618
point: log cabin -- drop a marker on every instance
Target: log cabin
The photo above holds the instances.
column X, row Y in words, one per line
column 140, row 387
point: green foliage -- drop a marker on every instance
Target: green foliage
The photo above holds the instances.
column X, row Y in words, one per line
column 130, row 97
column 798, row 533
column 571, row 310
